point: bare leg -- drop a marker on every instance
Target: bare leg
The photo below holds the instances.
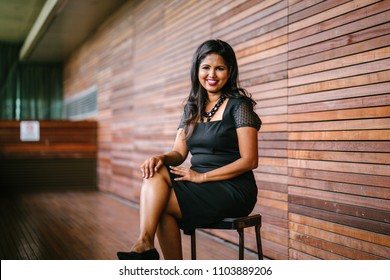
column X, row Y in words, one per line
column 155, row 194
column 168, row 231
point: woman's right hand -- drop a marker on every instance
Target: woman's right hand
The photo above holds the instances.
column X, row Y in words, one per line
column 151, row 165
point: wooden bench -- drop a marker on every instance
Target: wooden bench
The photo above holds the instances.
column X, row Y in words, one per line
column 64, row 157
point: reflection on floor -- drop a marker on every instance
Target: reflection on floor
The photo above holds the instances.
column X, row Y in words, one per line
column 82, row 226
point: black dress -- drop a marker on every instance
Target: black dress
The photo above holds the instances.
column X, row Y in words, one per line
column 212, row 145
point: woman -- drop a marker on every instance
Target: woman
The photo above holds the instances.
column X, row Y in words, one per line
column 219, row 129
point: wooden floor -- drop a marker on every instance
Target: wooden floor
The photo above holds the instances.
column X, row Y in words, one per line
column 82, row 226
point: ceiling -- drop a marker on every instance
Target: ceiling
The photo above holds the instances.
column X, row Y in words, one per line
column 50, row 30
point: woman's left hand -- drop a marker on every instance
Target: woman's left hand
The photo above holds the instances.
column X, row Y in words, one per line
column 188, row 174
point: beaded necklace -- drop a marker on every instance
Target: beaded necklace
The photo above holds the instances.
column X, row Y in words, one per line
column 209, row 115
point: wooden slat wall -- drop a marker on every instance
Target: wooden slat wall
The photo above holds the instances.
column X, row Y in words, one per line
column 319, row 71
column 63, row 158
column 339, row 120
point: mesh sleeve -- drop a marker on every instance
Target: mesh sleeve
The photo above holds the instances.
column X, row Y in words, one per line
column 245, row 116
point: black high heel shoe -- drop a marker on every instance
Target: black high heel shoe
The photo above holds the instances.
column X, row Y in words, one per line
column 151, row 254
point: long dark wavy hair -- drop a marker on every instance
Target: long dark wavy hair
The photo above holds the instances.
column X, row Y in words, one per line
column 198, row 95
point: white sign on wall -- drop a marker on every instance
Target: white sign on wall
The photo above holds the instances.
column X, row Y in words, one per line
column 29, row 131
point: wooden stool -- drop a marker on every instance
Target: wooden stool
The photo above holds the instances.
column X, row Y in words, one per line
column 238, row 224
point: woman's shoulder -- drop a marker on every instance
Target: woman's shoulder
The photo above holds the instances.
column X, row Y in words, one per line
column 238, row 100
column 243, row 112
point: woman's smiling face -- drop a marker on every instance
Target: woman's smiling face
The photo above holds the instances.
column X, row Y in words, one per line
column 213, row 73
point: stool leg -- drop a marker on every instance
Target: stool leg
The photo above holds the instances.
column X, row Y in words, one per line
column 193, row 246
column 241, row 244
column 258, row 241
